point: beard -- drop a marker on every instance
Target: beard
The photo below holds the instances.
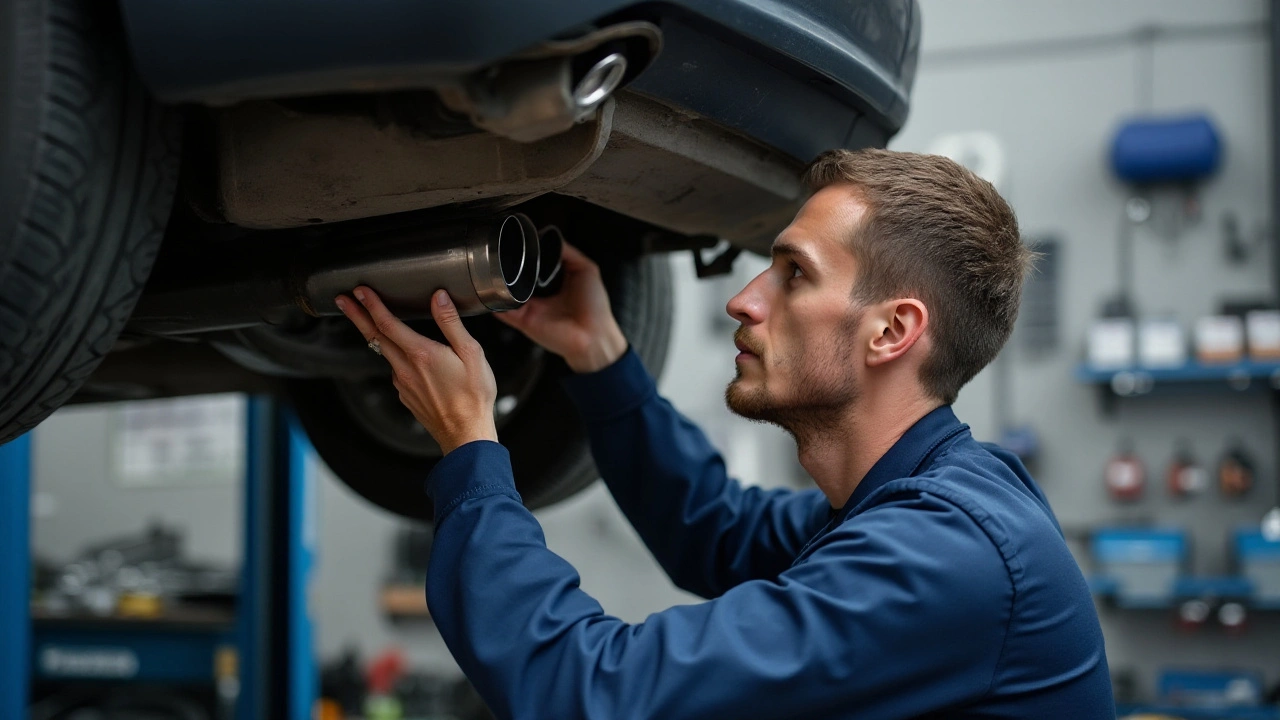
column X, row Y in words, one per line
column 821, row 372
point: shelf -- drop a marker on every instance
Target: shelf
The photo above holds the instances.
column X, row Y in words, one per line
column 1128, row 382
column 1188, row 587
column 1192, row 713
column 176, row 616
column 404, row 602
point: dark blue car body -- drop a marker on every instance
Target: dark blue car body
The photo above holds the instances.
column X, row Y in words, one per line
column 801, row 76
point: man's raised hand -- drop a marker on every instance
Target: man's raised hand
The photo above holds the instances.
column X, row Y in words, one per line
column 576, row 323
column 449, row 388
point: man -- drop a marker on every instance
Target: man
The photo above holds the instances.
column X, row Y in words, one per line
column 925, row 577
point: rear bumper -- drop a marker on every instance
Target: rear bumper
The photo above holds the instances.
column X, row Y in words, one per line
column 800, row 75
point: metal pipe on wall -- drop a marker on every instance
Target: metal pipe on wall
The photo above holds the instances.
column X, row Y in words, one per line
column 1271, row 520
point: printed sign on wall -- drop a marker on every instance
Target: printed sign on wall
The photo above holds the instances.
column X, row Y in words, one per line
column 179, row 441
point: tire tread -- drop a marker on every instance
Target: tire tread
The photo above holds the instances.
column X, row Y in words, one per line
column 92, row 217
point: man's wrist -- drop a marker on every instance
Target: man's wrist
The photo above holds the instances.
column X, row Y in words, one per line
column 448, row 445
column 609, row 347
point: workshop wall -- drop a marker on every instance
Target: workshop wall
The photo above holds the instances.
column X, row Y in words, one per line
column 76, row 502
column 1051, row 81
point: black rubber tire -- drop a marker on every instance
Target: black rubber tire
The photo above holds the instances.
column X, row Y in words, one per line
column 548, row 444
column 88, row 167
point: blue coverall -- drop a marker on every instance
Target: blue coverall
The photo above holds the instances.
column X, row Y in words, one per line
column 942, row 588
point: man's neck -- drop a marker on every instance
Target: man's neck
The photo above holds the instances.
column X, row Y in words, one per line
column 839, row 452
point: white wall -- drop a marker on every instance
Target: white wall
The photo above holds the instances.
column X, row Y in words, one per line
column 77, row 502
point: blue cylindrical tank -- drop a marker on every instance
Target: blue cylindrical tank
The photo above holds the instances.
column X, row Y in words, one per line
column 1166, row 150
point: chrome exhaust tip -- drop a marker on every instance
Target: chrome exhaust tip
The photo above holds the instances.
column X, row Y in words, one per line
column 503, row 266
column 550, row 259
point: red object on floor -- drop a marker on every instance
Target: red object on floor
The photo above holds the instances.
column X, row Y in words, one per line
column 385, row 671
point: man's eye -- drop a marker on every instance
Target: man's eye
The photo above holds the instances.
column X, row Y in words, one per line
column 795, row 270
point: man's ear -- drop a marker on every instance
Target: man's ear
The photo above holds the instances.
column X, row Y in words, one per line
column 898, row 325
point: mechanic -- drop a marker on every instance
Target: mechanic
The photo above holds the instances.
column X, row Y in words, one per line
column 925, row 577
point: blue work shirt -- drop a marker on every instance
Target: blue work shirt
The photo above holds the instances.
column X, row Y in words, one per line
column 943, row 588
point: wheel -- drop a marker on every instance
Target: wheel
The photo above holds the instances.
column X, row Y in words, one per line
column 88, row 167
column 376, row 447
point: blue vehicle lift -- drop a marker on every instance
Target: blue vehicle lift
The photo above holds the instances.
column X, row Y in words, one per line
column 273, row 631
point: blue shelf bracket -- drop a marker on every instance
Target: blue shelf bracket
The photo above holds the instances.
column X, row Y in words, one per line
column 278, row 674
column 15, row 569
column 304, row 687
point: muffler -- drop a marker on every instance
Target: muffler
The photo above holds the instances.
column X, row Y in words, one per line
column 484, row 266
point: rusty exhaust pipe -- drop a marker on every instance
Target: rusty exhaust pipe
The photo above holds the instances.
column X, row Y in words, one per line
column 485, row 267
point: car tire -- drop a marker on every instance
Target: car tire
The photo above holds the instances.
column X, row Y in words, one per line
column 546, row 438
column 88, row 167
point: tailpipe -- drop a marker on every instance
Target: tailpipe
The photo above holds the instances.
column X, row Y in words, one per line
column 550, row 250
column 484, row 266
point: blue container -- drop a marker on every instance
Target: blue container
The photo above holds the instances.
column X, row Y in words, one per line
column 1166, row 150
column 1259, row 560
column 1211, row 688
column 1139, row 567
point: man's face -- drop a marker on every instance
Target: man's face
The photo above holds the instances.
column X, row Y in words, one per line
column 800, row 330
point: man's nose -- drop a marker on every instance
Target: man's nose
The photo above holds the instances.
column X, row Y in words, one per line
column 747, row 307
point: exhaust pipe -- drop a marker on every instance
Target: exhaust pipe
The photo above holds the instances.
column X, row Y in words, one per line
column 485, row 267
column 550, row 248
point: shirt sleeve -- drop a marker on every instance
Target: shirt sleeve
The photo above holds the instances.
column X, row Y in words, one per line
column 706, row 530
column 899, row 612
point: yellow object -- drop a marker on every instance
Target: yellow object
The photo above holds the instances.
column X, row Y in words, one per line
column 139, row 605
column 226, row 663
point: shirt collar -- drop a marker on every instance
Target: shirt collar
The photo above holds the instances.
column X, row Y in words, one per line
column 910, row 455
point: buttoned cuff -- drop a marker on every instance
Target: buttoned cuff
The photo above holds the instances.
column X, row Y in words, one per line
column 613, row 391
column 478, row 469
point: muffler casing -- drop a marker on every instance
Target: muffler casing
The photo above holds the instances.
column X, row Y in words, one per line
column 484, row 266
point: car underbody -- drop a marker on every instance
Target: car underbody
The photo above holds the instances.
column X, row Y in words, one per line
column 408, row 150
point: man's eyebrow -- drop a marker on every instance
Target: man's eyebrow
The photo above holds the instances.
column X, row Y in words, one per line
column 787, row 249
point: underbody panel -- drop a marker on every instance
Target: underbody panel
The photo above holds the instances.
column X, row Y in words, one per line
column 279, row 168
column 844, row 69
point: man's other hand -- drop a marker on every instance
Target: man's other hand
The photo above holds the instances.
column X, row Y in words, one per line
column 576, row 323
column 449, row 388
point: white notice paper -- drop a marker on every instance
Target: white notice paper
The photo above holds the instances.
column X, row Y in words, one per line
column 179, row 441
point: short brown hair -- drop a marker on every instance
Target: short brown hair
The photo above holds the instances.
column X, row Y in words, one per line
column 936, row 232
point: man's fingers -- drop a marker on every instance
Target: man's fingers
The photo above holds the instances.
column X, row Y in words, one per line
column 360, row 317
column 515, row 318
column 387, row 324
column 446, row 316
